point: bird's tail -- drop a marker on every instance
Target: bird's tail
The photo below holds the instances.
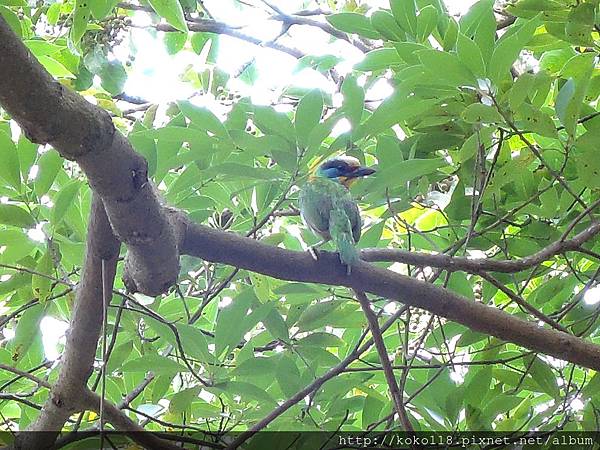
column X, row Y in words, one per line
column 340, row 230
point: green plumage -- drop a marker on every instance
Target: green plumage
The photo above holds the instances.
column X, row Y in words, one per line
column 328, row 209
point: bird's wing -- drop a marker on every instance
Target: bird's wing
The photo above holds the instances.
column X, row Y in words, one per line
column 353, row 214
column 315, row 207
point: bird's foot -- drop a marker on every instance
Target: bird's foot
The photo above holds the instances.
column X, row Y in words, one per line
column 348, row 266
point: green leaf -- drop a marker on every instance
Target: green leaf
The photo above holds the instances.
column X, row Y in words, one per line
column 400, row 173
column 405, row 13
column 477, row 384
column 470, row 55
column 308, row 115
column 371, row 411
column 64, row 200
column 10, row 169
column 113, row 77
column 174, row 42
column 15, row 216
column 543, row 375
column 520, row 90
column 153, row 363
column 407, row 51
column 227, row 335
column 172, row 12
column 40, row 285
column 12, row 19
column 288, row 376
column 480, row 113
column 451, row 35
column 28, row 153
column 315, row 315
column 254, row 367
column 592, row 387
column 353, row 23
column 395, row 109
column 580, row 24
column 55, row 68
column 276, row 325
column 322, row 340
column 480, row 24
column 203, row 118
column 272, row 122
column 536, row 120
column 386, row 25
column 508, row 49
column 354, row 100
column 247, row 392
column 181, row 402
column 172, row 133
column 455, row 73
column 27, row 332
column 81, row 17
column 49, row 164
column 146, row 147
column 53, row 13
column 554, row 60
column 570, row 98
column 426, row 22
column 40, row 47
column 199, row 40
column 381, row 58
column 588, row 167
column 194, row 342
column 101, row 8
column 563, row 98
column 231, row 169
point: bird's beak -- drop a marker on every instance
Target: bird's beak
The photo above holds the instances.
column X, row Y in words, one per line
column 362, row 172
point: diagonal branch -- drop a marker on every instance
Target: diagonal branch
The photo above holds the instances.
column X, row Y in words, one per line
column 475, row 266
column 227, row 248
column 388, row 371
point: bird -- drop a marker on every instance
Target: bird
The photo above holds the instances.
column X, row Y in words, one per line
column 328, row 209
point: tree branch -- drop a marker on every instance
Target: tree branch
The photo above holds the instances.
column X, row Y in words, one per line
column 49, row 113
column 82, row 338
column 227, row 248
column 476, row 266
column 210, row 26
column 388, row 371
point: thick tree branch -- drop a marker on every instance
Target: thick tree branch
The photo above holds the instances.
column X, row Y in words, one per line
column 217, row 246
column 49, row 113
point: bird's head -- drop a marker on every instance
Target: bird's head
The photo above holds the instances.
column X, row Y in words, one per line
column 344, row 169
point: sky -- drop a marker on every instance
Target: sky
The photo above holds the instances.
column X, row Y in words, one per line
column 154, row 70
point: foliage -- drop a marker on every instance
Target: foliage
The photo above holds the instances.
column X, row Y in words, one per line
column 485, row 147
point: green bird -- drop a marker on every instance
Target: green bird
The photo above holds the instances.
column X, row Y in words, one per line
column 327, row 207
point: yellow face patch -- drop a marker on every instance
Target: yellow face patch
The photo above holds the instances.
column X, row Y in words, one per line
column 347, row 181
